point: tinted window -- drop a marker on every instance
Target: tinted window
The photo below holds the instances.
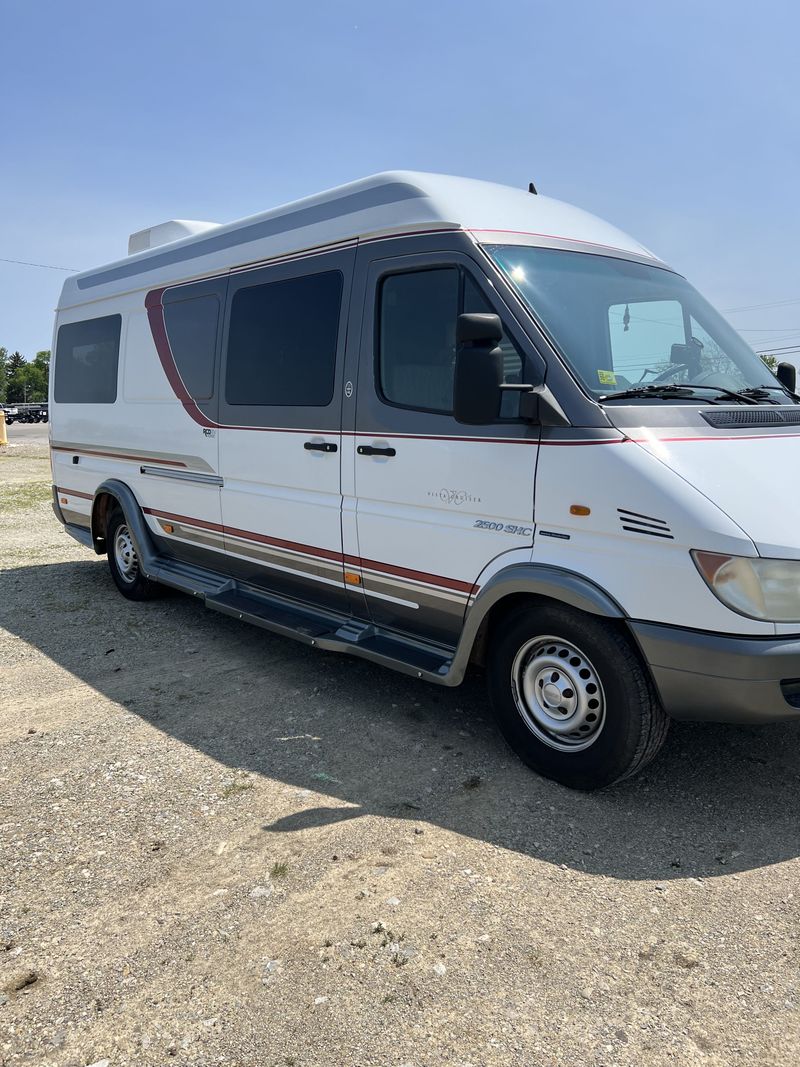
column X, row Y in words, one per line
column 418, row 333
column 192, row 331
column 282, row 342
column 417, row 348
column 87, row 356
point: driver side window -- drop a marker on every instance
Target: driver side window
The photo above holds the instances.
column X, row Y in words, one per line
column 417, row 339
column 647, row 339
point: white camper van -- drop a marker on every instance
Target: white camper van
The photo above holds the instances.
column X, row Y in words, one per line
column 433, row 421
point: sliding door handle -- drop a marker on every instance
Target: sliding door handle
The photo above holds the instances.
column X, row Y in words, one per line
column 371, row 450
column 320, row 446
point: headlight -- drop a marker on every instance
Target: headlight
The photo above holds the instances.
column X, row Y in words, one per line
column 767, row 589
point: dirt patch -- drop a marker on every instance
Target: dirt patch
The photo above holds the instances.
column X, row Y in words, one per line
column 220, row 847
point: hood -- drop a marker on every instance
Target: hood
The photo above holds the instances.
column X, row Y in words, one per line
column 752, row 477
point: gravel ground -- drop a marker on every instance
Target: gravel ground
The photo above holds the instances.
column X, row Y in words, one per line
column 219, row 847
column 27, row 433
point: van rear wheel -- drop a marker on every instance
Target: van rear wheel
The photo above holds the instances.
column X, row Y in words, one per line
column 123, row 560
column 572, row 698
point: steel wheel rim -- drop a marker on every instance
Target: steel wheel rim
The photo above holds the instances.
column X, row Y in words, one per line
column 125, row 554
column 558, row 693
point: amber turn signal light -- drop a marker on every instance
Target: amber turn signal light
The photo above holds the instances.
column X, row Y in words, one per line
column 579, row 509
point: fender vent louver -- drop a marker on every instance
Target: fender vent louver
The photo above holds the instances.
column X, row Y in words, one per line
column 635, row 522
column 753, row 417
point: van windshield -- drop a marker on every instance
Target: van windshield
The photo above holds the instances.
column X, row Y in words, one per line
column 623, row 325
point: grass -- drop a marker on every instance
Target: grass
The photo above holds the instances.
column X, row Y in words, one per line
column 279, row 869
column 24, row 495
column 233, row 788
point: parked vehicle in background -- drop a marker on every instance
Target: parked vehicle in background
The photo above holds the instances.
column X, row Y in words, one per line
column 432, row 421
column 27, row 413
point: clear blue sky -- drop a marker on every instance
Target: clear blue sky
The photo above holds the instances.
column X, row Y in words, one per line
column 678, row 122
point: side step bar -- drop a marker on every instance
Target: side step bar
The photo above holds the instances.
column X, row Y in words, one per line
column 320, row 629
column 331, row 631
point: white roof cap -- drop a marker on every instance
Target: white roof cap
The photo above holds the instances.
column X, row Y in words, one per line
column 384, row 204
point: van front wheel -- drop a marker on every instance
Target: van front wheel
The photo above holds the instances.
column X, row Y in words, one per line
column 572, row 698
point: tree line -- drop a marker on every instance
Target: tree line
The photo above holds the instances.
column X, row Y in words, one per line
column 23, row 381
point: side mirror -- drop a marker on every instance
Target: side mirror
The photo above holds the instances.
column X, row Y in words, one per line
column 787, row 376
column 479, row 369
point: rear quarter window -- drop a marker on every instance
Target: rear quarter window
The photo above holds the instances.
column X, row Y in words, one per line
column 87, row 361
column 192, row 330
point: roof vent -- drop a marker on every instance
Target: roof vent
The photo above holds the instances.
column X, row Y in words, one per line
column 166, row 232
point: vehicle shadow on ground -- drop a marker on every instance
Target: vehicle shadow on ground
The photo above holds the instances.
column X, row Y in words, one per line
column 719, row 799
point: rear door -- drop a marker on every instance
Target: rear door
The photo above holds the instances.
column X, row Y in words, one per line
column 435, row 501
column 280, row 432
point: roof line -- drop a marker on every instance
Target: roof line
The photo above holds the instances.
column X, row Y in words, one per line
column 195, row 247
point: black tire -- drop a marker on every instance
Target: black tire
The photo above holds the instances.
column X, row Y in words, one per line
column 550, row 665
column 123, row 561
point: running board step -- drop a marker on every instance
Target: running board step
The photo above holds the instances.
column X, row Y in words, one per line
column 327, row 630
column 186, row 578
column 330, row 632
column 267, row 611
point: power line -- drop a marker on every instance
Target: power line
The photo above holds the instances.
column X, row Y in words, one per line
column 783, row 339
column 45, row 266
column 772, row 351
column 757, row 307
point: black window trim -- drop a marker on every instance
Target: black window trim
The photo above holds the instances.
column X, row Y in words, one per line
column 377, row 319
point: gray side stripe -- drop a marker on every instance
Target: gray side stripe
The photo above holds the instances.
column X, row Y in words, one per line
column 349, row 204
column 183, row 476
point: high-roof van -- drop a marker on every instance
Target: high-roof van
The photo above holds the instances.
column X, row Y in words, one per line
column 432, row 421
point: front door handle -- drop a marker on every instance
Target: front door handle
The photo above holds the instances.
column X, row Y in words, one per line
column 371, row 450
column 320, row 446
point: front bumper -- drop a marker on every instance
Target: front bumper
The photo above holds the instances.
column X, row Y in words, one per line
column 714, row 678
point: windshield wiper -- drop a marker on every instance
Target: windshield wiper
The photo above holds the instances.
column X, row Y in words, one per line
column 762, row 392
column 677, row 392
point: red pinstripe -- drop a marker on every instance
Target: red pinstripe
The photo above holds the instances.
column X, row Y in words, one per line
column 319, row 553
column 118, row 455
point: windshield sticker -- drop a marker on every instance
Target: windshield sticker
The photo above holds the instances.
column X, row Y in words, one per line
column 607, row 377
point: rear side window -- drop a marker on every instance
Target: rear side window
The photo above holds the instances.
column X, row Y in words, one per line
column 192, row 331
column 417, row 339
column 282, row 342
column 87, row 358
